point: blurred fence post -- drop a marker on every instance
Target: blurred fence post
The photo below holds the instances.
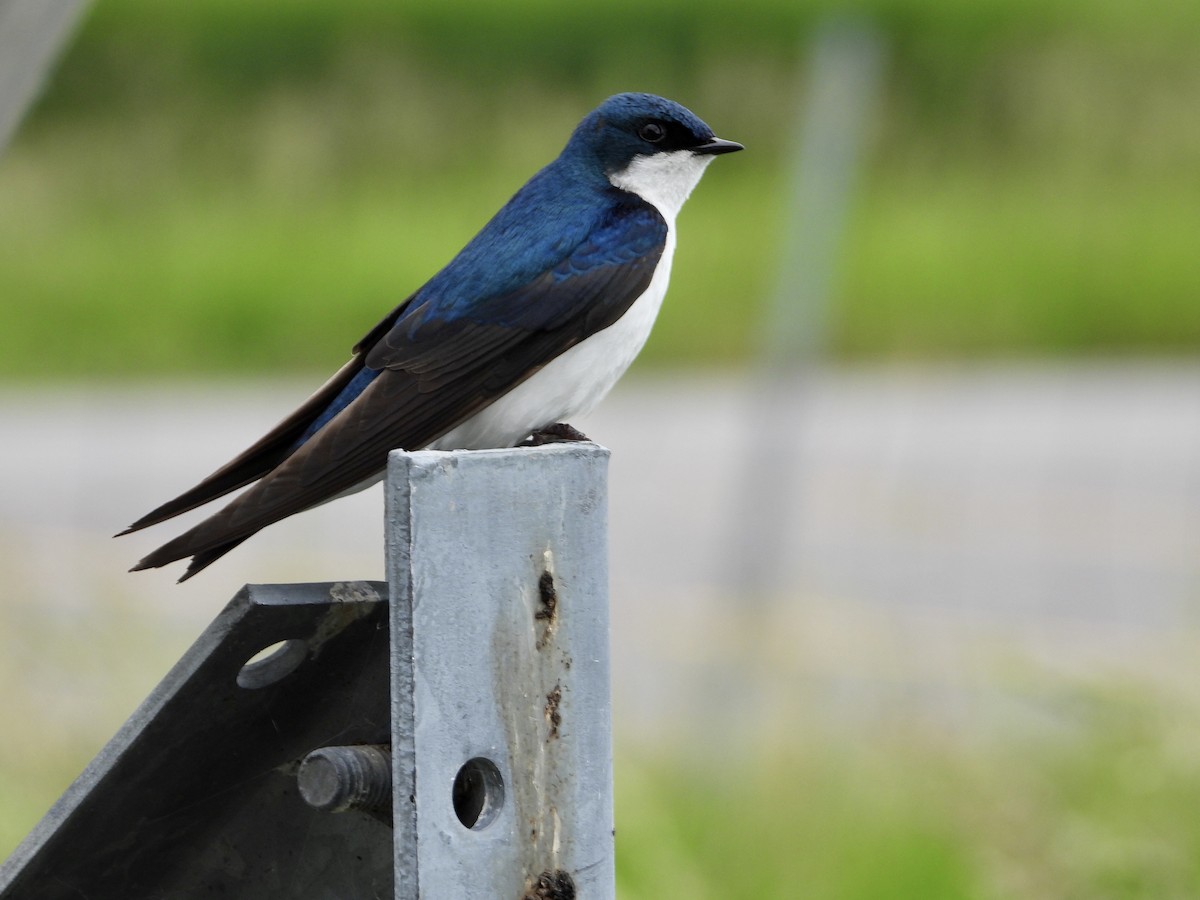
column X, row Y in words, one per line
column 31, row 34
column 497, row 562
column 842, row 82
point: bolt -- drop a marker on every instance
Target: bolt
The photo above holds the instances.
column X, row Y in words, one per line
column 336, row 779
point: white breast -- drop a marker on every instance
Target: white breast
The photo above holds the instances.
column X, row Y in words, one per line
column 570, row 384
column 573, row 383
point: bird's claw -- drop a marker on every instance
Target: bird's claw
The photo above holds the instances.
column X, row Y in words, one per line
column 558, row 433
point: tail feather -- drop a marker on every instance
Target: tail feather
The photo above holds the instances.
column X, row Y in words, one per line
column 206, row 558
column 181, row 548
column 257, row 460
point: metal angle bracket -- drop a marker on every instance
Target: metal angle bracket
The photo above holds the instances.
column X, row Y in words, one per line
column 197, row 794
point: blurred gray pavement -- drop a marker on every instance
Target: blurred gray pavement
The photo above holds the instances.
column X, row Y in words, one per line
column 938, row 523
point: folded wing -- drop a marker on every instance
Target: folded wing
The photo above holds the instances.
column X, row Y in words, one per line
column 432, row 364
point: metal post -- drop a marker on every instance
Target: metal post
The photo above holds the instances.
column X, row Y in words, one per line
column 501, row 737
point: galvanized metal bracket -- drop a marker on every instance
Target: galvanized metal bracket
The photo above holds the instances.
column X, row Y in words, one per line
column 477, row 724
column 499, row 575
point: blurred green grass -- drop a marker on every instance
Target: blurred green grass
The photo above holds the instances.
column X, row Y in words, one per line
column 220, row 187
column 1104, row 809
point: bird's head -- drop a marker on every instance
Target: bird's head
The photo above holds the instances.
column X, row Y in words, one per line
column 648, row 145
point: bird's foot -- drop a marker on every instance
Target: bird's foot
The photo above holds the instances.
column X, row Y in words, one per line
column 558, row 433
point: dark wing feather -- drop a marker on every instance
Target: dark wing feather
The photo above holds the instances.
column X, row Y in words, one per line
column 436, row 372
column 256, row 460
column 275, row 446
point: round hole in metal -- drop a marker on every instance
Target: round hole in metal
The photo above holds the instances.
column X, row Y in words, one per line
column 478, row 793
column 272, row 663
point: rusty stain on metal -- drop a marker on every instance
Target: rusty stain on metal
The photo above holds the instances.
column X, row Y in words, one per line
column 553, row 716
column 551, row 886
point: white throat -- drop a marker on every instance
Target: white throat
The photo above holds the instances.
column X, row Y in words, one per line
column 664, row 180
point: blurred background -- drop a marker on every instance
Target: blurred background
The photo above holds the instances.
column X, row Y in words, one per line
column 905, row 493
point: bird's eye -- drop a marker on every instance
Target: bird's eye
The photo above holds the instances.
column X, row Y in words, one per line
column 652, row 132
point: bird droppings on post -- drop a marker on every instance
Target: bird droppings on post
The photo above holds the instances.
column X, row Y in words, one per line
column 552, row 886
column 349, row 600
column 553, row 715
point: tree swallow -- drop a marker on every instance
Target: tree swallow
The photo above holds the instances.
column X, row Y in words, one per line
column 529, row 325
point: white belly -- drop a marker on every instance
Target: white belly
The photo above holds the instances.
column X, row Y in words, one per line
column 571, row 384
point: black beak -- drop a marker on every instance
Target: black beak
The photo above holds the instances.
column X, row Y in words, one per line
column 716, row 145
